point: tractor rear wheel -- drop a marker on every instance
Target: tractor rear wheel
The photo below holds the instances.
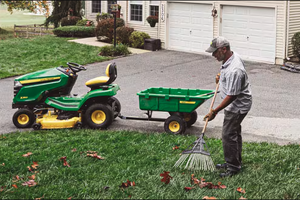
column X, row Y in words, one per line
column 23, row 118
column 99, row 116
column 115, row 105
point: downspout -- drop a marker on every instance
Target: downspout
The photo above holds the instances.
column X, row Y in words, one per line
column 287, row 25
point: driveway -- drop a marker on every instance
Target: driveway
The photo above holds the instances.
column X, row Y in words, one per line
column 274, row 116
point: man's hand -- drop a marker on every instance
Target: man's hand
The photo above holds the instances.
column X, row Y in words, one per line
column 218, row 78
column 210, row 116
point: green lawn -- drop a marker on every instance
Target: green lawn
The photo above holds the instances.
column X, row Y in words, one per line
column 20, row 56
column 18, row 17
column 269, row 171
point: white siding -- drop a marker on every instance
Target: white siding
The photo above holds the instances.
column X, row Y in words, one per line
column 144, row 25
column 294, row 23
column 280, row 19
column 160, row 30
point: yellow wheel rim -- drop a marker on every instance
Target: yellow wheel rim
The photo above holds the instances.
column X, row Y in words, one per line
column 23, row 119
column 174, row 126
column 98, row 117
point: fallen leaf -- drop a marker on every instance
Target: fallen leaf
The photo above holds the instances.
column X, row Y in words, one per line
column 127, row 184
column 188, row 188
column 2, row 188
column 16, row 179
column 29, row 168
column 70, row 198
column 166, row 177
column 35, row 164
column 241, row 190
column 27, row 154
column 206, row 197
column 176, row 147
column 201, row 183
column 3, row 164
column 106, row 188
column 73, row 150
column 64, row 158
column 14, row 185
column 32, row 177
column 95, row 156
column 39, row 198
column 29, row 183
column 91, row 152
column 242, row 197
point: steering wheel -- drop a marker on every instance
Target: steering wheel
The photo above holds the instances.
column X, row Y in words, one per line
column 75, row 67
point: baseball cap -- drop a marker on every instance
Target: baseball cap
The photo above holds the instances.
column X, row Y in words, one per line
column 216, row 43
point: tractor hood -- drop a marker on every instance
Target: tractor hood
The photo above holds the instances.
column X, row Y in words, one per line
column 46, row 75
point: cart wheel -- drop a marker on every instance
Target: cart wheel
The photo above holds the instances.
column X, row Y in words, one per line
column 175, row 125
column 23, row 118
column 116, row 107
column 190, row 118
column 99, row 116
column 175, row 113
column 36, row 126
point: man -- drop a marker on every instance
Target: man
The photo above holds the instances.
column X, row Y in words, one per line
column 236, row 100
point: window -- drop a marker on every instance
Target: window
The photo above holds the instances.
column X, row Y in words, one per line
column 154, row 8
column 136, row 11
column 96, row 6
column 109, row 3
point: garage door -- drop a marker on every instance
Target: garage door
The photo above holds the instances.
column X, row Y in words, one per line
column 251, row 31
column 190, row 27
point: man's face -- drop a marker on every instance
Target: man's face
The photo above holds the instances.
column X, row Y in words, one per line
column 219, row 54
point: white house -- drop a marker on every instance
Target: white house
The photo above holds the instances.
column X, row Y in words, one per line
column 257, row 30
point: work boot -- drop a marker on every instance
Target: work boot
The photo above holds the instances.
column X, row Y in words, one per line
column 222, row 166
column 228, row 173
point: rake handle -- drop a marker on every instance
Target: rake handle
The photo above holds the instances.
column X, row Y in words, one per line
column 210, row 109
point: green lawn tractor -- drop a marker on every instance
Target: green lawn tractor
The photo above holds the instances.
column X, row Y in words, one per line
column 43, row 99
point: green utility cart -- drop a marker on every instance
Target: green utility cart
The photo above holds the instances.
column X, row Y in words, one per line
column 180, row 103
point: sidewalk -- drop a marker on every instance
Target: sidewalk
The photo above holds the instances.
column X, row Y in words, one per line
column 94, row 42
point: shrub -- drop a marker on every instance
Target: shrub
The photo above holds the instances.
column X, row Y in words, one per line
column 85, row 22
column 101, row 16
column 109, row 50
column 75, row 31
column 105, row 29
column 69, row 22
column 123, row 34
column 137, row 39
column 296, row 44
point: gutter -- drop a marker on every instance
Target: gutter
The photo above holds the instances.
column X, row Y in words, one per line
column 287, row 21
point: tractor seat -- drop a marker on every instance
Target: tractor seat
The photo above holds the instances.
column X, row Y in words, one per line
column 111, row 75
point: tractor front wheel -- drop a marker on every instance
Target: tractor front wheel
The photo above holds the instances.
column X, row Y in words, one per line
column 175, row 125
column 99, row 116
column 23, row 118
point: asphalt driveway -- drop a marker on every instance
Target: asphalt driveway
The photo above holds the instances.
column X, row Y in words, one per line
column 274, row 117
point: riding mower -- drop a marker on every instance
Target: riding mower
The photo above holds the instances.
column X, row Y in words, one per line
column 44, row 102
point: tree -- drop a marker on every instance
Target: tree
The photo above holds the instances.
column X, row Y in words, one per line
column 63, row 9
column 26, row 5
column 60, row 8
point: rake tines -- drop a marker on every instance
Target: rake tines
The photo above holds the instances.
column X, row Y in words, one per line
column 196, row 158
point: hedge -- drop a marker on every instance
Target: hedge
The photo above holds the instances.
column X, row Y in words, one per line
column 74, row 31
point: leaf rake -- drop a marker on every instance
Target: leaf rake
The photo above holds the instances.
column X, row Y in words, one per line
column 196, row 156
